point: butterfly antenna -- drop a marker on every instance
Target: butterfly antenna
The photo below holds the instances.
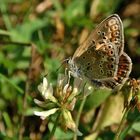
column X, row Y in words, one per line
column 46, row 75
column 63, row 62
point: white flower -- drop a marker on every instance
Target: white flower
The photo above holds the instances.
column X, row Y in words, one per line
column 45, row 88
column 63, row 100
column 44, row 114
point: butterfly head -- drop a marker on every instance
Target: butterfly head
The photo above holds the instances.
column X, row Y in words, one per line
column 74, row 69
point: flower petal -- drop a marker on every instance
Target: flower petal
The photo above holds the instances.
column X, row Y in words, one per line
column 65, row 88
column 45, row 88
column 48, row 91
column 44, row 114
column 40, row 103
column 69, row 122
column 72, row 104
column 62, row 80
column 52, row 99
column 40, row 87
column 45, row 82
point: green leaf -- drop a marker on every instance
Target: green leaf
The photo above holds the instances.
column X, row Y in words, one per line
column 136, row 126
column 11, row 83
column 96, row 98
column 59, row 133
column 2, row 104
column 23, row 32
column 7, row 120
column 73, row 11
column 8, row 1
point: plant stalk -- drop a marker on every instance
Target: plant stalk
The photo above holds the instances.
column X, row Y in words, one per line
column 79, row 114
column 54, row 127
column 119, row 130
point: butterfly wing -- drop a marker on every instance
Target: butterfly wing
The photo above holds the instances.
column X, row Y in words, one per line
column 98, row 55
column 109, row 30
column 124, row 69
column 100, row 58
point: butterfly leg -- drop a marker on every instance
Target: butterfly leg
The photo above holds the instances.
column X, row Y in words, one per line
column 67, row 73
column 84, row 89
column 69, row 76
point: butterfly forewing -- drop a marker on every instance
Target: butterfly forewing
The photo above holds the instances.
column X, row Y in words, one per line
column 110, row 30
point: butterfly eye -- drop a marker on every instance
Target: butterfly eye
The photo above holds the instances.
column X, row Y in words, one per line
column 83, row 57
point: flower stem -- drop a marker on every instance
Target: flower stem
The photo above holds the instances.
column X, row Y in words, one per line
column 79, row 114
column 54, row 127
column 119, row 130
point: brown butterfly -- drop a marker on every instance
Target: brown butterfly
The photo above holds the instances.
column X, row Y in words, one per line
column 101, row 59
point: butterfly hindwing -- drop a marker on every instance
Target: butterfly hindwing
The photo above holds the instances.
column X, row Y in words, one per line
column 124, row 69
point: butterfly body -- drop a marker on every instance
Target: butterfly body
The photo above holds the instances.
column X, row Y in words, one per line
column 100, row 58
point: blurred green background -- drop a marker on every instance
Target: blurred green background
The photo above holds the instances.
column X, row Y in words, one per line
column 35, row 37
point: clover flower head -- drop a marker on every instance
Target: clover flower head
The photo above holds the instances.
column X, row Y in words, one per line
column 62, row 99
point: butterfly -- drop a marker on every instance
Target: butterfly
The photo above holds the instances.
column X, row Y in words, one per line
column 101, row 59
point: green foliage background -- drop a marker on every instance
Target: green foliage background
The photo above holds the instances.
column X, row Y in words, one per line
column 53, row 28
